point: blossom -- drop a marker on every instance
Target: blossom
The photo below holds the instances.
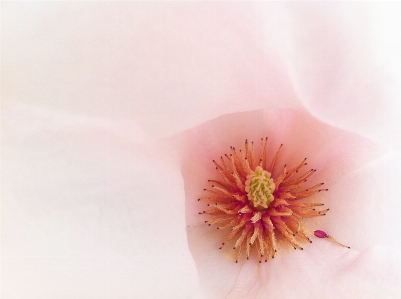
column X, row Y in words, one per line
column 113, row 112
column 261, row 204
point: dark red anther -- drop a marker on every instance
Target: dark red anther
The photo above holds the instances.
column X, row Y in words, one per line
column 320, row 234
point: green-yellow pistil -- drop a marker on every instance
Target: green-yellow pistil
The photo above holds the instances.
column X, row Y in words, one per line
column 260, row 187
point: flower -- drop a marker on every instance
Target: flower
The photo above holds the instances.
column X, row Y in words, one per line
column 113, row 112
column 256, row 206
column 343, row 161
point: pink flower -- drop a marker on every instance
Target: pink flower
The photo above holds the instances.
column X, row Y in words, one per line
column 113, row 112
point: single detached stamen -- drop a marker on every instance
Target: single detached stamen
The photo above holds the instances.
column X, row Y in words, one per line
column 260, row 187
column 322, row 234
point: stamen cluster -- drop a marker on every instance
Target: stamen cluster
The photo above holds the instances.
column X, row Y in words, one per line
column 258, row 208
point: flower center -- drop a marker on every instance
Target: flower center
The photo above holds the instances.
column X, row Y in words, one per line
column 260, row 187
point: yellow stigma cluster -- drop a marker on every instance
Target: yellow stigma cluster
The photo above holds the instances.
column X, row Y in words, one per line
column 260, row 187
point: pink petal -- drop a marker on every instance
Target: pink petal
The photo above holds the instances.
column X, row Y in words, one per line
column 365, row 205
column 88, row 213
column 323, row 271
column 165, row 66
column 344, row 62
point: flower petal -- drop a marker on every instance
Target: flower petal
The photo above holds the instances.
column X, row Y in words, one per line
column 344, row 62
column 89, row 213
column 167, row 66
column 323, row 271
column 365, row 205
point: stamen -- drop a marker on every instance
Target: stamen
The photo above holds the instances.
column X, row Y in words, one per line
column 262, row 158
column 273, row 164
column 322, row 234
